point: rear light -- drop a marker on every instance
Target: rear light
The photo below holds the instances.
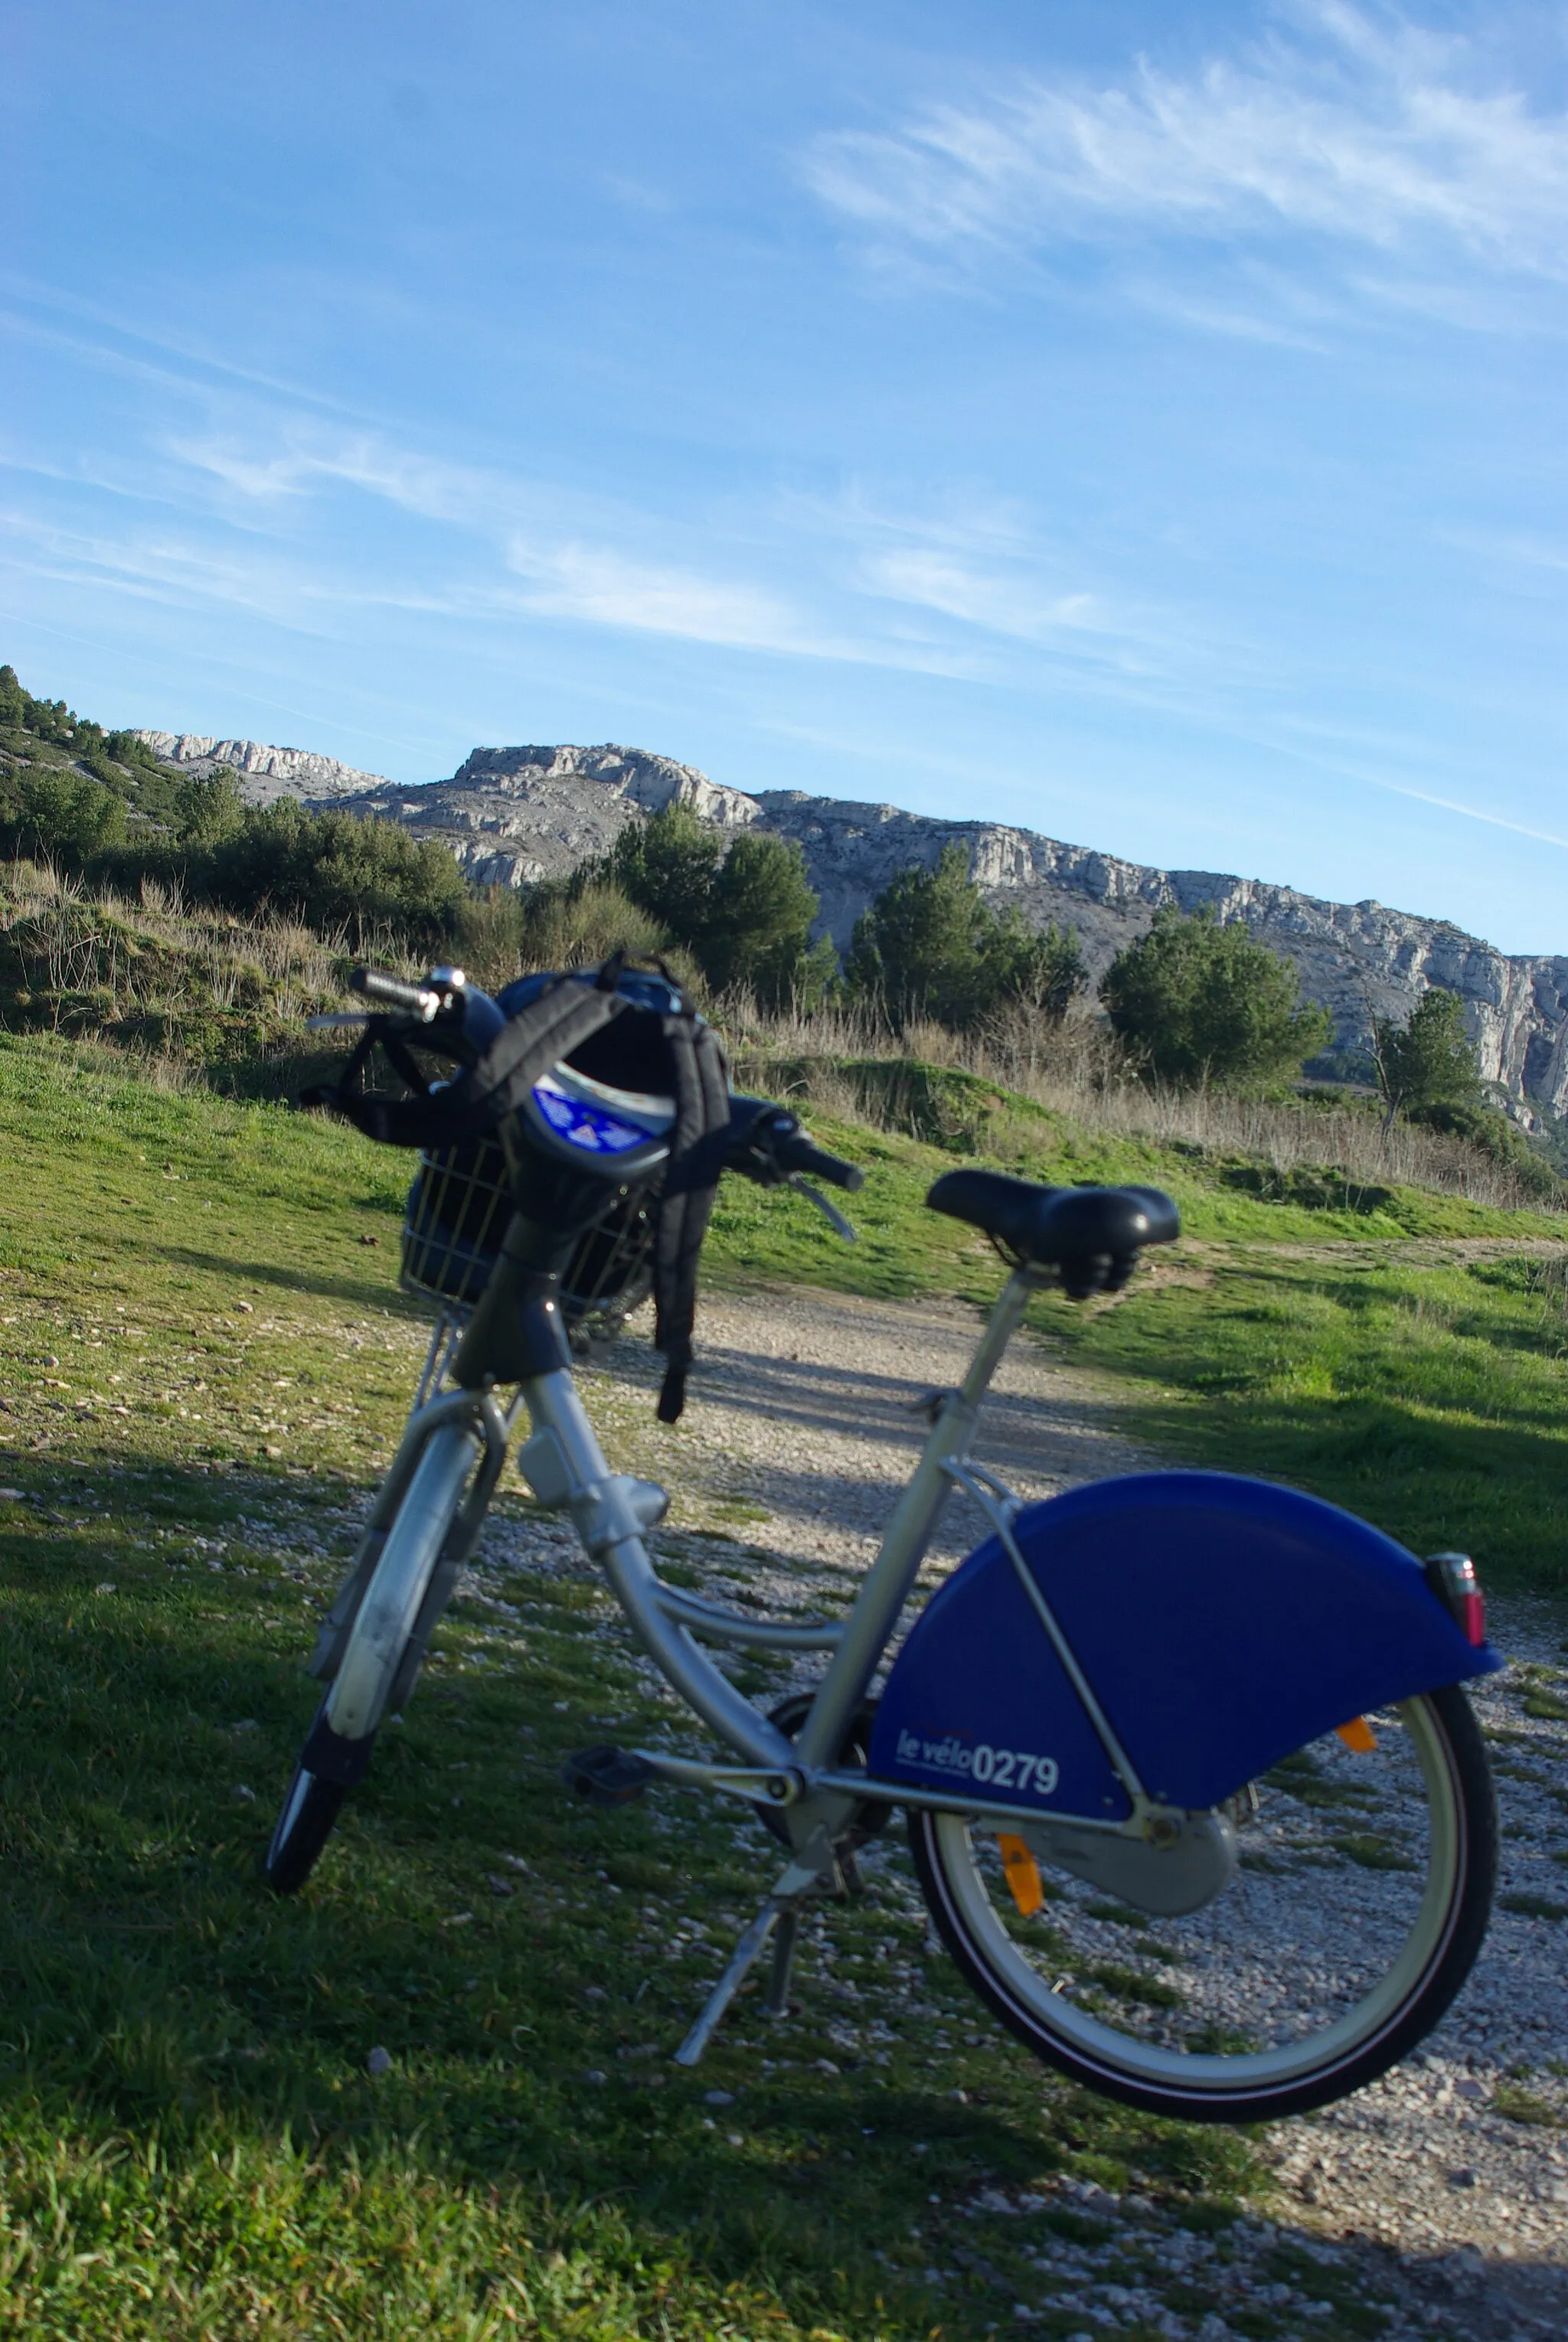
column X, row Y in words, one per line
column 1452, row 1577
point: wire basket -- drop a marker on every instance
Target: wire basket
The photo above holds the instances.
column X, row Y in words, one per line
column 456, row 1215
column 611, row 1273
column 453, row 1221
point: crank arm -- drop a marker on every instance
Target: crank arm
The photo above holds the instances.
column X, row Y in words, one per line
column 757, row 1786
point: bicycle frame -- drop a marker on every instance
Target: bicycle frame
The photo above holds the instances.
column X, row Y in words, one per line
column 811, row 1793
column 565, row 1466
column 566, row 1469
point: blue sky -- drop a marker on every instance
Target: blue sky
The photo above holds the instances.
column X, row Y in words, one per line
column 1144, row 423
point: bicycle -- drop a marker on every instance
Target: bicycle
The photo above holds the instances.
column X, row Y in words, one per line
column 1194, row 1794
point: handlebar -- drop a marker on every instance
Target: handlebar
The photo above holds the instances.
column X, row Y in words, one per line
column 800, row 1154
column 767, row 1144
column 765, row 1140
column 414, row 999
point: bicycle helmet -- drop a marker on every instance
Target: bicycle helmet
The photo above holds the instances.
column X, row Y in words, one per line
column 606, row 1073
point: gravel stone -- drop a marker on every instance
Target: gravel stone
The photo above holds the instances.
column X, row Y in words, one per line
column 1428, row 2187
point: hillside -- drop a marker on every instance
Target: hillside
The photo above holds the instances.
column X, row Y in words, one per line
column 434, row 2094
column 513, row 815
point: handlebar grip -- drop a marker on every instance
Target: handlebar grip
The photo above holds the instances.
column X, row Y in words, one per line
column 796, row 1153
column 414, row 999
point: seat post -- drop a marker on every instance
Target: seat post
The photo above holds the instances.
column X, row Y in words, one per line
column 1006, row 1317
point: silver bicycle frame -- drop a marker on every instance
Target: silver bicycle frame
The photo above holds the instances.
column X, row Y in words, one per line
column 814, row 1795
column 567, row 1468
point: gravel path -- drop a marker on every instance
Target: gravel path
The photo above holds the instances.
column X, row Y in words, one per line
column 1451, row 2175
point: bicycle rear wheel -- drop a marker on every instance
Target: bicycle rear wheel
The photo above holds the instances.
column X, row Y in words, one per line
column 1359, row 1901
column 391, row 1627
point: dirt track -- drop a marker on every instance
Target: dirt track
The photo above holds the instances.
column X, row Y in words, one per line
column 801, row 1428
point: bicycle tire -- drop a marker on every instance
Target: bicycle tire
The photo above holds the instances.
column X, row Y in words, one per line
column 305, row 1823
column 391, row 1615
column 1185, row 2053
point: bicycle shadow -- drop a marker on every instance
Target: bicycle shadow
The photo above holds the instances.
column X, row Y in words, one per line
column 818, row 1441
column 157, row 1993
column 358, row 1292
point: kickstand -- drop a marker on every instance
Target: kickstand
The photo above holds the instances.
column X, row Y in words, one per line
column 779, row 1912
column 777, row 2002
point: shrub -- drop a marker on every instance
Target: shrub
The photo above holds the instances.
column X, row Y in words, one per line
column 53, row 813
column 930, row 947
column 1204, row 1003
column 207, row 810
column 333, row 869
column 1428, row 1061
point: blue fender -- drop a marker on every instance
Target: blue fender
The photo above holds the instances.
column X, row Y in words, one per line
column 1221, row 1623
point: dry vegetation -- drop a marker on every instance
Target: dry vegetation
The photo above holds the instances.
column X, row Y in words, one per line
column 1074, row 1069
column 190, row 992
column 200, row 995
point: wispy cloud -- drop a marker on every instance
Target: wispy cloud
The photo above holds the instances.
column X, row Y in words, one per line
column 601, row 587
column 1510, row 549
column 1001, row 603
column 1468, row 812
column 1367, row 131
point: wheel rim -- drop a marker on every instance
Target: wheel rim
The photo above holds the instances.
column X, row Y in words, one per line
column 1410, row 1947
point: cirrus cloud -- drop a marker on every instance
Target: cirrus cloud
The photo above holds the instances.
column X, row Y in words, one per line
column 1370, row 131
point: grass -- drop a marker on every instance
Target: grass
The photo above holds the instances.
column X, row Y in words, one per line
column 205, row 1364
column 1429, row 1393
column 205, row 1361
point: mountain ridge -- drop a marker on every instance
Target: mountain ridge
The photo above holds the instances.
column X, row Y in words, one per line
column 516, row 815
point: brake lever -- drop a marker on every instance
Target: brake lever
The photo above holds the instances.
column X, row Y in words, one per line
column 331, row 1022
column 830, row 1212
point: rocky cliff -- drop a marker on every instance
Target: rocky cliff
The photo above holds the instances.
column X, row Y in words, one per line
column 265, row 773
column 513, row 815
column 1360, row 960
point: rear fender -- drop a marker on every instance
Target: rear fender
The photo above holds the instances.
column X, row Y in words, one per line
column 1221, row 1624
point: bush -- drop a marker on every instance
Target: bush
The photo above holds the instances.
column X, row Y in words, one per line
column 55, row 814
column 1490, row 1132
column 1428, row 1061
column 930, row 947
column 333, row 869
column 745, row 915
column 1203, row 1003
column 207, row 811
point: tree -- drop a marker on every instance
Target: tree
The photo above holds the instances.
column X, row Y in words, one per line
column 916, row 951
column 666, row 865
column 746, row 915
column 51, row 810
column 1043, row 969
column 1204, row 1003
column 757, row 930
column 1428, row 1061
column 930, row 946
column 207, row 809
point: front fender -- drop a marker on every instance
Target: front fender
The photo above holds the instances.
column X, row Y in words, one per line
column 1221, row 1624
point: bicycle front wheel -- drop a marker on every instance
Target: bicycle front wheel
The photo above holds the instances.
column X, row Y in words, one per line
column 302, row 1828
column 391, row 1627
column 1359, row 1903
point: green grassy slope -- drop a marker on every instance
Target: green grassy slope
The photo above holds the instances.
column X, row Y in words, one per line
column 202, row 1362
column 1430, row 1394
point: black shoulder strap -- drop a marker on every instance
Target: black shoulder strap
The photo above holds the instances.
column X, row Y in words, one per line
column 536, row 1037
column 697, row 1160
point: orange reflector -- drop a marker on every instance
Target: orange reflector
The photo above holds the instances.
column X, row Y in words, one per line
column 1358, row 1735
column 1022, row 1874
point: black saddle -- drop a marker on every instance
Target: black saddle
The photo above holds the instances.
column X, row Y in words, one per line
column 1092, row 1235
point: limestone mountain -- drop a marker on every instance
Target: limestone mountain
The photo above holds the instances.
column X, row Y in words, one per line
column 265, row 773
column 515, row 815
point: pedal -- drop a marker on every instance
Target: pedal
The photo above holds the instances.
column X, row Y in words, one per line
column 607, row 1775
